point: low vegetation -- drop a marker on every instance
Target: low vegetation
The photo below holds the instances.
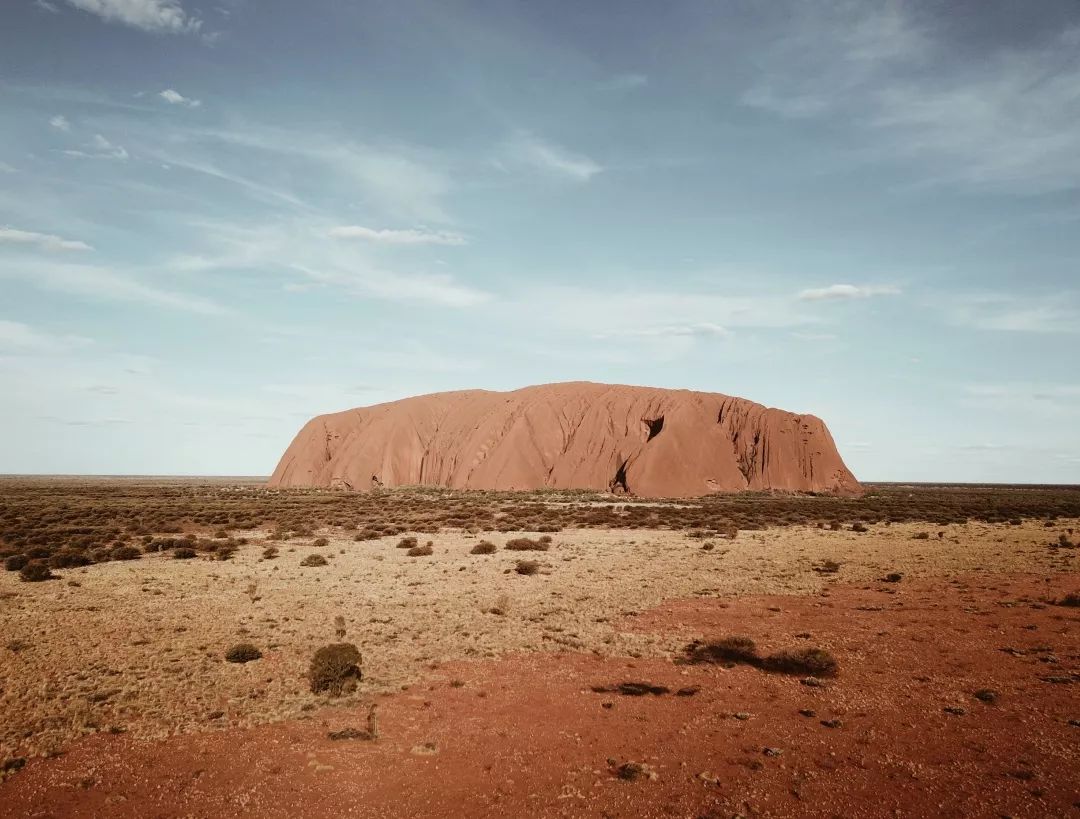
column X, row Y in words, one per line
column 87, row 521
column 484, row 547
column 526, row 544
column 527, row 567
column 314, row 560
column 242, row 653
column 335, row 669
column 808, row 661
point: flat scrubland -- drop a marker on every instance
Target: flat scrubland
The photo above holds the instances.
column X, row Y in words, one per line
column 453, row 598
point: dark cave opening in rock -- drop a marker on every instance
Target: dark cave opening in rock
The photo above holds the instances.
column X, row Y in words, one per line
column 654, row 425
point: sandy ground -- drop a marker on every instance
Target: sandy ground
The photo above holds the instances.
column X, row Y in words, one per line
column 137, row 649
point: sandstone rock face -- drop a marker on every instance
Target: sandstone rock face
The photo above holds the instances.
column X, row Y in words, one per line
column 639, row 440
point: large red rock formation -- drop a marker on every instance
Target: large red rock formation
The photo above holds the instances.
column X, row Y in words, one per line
column 645, row 441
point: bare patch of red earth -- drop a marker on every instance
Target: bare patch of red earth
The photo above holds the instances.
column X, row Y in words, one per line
column 527, row 735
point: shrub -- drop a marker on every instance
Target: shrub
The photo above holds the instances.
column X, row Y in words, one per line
column 35, row 572
column 334, row 668
column 313, row 560
column 859, row 527
column 15, row 562
column 68, row 559
column 484, row 547
column 125, row 553
column 242, row 653
column 183, row 553
column 524, row 544
column 736, row 649
column 407, row 543
column 1072, row 600
column 527, row 567
column 816, row 662
column 270, row 552
column 319, row 542
column 827, row 567
column 921, row 536
column 421, row 551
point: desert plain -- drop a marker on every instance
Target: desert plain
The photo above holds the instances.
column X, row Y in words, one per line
column 588, row 672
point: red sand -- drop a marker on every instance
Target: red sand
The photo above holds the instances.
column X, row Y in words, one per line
column 650, row 442
column 525, row 736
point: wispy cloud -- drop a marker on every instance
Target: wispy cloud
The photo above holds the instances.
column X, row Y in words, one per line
column 302, row 248
column 60, row 123
column 1012, row 123
column 42, row 241
column 176, row 98
column 156, row 16
column 1026, row 399
column 695, row 329
column 19, row 336
column 624, row 82
column 102, row 284
column 1014, row 313
column 836, row 292
column 398, row 181
column 552, row 159
column 388, row 236
column 99, row 148
column 45, row 5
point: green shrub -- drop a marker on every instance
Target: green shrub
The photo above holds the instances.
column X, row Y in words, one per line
column 816, row 662
column 242, row 653
column 69, row 559
column 15, row 562
column 527, row 567
column 525, row 544
column 335, row 668
column 35, row 572
column 736, row 649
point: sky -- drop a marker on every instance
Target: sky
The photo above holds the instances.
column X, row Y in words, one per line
column 220, row 218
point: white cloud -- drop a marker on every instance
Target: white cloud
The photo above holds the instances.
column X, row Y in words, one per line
column 1011, row 121
column 398, row 181
column 410, row 236
column 60, row 123
column 176, row 98
column 19, row 336
column 847, row 291
column 106, row 285
column 552, row 159
column 45, row 5
column 158, row 16
column 5, row 168
column 298, row 247
column 624, row 82
column 43, row 241
column 691, row 330
column 99, row 148
column 1013, row 313
column 1026, row 399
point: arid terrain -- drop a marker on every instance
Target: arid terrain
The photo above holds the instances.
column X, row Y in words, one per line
column 584, row 671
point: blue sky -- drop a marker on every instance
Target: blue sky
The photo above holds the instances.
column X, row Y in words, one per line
column 220, row 218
